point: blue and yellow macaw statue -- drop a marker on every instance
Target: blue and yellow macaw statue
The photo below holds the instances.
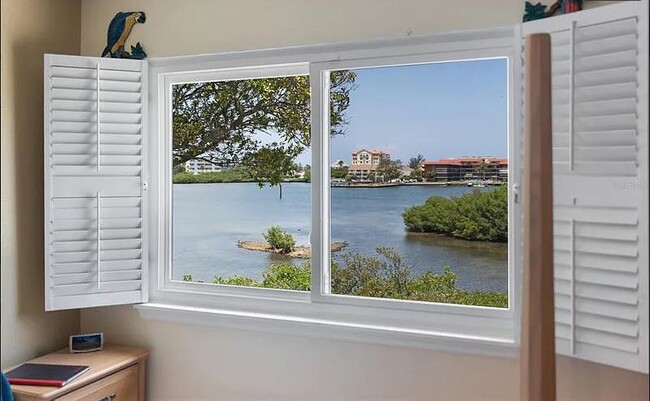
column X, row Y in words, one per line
column 119, row 30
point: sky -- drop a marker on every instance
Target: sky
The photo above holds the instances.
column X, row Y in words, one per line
column 438, row 110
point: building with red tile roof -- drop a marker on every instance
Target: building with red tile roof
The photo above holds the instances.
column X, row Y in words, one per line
column 466, row 169
column 365, row 162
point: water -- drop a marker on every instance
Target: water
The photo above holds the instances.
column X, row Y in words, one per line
column 209, row 219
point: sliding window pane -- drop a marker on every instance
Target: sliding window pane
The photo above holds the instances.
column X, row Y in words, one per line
column 241, row 182
column 419, row 205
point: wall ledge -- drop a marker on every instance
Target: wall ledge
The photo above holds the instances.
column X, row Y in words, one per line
column 329, row 329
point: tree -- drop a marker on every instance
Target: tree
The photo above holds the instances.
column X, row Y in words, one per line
column 271, row 164
column 280, row 239
column 220, row 122
column 179, row 168
column 481, row 169
column 416, row 162
column 389, row 169
column 339, row 172
column 307, row 173
column 475, row 216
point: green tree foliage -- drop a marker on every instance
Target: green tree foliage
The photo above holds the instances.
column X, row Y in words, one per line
column 389, row 169
column 287, row 276
column 236, row 280
column 384, row 275
column 339, row 172
column 388, row 275
column 476, row 216
column 215, row 177
column 218, row 121
column 270, row 164
column 482, row 169
column 279, row 239
column 415, row 162
column 307, row 177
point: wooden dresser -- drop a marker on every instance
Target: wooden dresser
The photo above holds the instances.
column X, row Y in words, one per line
column 116, row 374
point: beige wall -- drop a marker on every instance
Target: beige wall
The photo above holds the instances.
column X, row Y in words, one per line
column 200, row 363
column 176, row 27
column 29, row 29
column 181, row 27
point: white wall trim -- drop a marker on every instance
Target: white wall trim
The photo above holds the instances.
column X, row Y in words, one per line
column 330, row 329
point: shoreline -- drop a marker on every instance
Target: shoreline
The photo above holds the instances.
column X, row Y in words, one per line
column 299, row 252
column 460, row 242
column 362, row 185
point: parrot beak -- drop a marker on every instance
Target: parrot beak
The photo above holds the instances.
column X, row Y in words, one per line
column 141, row 18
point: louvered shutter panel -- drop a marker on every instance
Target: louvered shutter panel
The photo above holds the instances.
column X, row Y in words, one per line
column 94, row 182
column 600, row 172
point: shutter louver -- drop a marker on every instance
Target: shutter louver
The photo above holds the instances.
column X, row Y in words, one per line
column 94, row 192
column 600, row 170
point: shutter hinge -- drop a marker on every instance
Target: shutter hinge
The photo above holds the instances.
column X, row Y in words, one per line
column 515, row 192
column 145, row 185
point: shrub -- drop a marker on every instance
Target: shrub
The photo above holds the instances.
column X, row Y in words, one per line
column 476, row 216
column 213, row 177
column 387, row 275
column 279, row 239
column 384, row 275
column 236, row 280
column 287, row 276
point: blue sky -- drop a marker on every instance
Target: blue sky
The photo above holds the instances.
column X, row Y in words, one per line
column 438, row 110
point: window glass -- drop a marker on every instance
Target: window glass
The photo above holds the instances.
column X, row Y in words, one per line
column 419, row 207
column 241, row 181
column 241, row 198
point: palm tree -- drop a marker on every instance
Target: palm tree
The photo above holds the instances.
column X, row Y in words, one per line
column 481, row 169
column 415, row 162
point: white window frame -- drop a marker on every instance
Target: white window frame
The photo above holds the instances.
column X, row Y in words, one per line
column 452, row 327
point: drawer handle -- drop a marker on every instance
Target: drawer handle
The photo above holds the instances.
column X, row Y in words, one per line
column 108, row 397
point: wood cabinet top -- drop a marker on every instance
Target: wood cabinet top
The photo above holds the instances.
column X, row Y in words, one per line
column 102, row 363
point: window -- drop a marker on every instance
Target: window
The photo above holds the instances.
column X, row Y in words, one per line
column 249, row 224
column 236, row 229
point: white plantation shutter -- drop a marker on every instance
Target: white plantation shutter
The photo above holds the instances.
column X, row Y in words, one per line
column 600, row 172
column 94, row 182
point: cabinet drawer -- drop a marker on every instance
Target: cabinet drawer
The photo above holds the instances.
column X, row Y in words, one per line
column 120, row 386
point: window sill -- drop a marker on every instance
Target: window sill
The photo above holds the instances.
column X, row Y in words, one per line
column 329, row 329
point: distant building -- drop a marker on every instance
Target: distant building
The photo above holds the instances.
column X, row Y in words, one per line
column 339, row 164
column 467, row 169
column 198, row 166
column 366, row 161
column 406, row 170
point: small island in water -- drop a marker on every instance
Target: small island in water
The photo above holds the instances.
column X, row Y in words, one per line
column 299, row 252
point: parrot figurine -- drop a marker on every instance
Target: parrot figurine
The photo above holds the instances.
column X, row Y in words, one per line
column 534, row 11
column 119, row 30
